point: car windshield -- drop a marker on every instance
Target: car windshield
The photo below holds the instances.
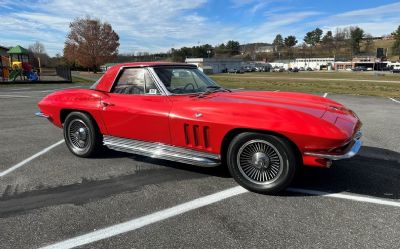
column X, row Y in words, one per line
column 183, row 80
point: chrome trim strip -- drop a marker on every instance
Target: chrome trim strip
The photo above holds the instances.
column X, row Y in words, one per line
column 158, row 81
column 162, row 151
column 351, row 151
column 42, row 115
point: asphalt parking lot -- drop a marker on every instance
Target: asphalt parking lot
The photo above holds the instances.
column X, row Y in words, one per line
column 57, row 196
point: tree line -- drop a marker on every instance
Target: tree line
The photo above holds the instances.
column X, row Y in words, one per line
column 91, row 43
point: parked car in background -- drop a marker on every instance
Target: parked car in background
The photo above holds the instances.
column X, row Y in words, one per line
column 247, row 69
column 295, row 70
column 360, row 69
column 175, row 112
column 279, row 69
column 236, row 71
column 309, row 69
column 396, row 69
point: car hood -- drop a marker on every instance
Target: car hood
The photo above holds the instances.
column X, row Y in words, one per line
column 307, row 103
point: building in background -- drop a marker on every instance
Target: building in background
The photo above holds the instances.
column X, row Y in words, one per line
column 215, row 65
column 314, row 63
column 343, row 65
column 265, row 49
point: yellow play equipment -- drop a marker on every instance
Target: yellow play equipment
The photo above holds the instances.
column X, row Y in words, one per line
column 16, row 65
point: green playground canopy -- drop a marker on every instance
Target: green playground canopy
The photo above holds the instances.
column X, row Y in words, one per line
column 18, row 50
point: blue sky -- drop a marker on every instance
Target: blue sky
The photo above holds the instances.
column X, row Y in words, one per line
column 158, row 25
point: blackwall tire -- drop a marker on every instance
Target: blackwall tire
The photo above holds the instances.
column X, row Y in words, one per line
column 81, row 135
column 262, row 163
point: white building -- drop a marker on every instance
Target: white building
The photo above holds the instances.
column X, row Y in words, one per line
column 314, row 63
column 215, row 65
column 265, row 49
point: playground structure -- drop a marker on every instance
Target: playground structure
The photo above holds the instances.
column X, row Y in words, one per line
column 16, row 67
column 20, row 65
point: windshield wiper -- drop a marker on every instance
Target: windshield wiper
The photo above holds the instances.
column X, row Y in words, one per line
column 212, row 89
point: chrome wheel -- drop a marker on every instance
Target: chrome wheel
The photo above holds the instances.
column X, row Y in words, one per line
column 259, row 162
column 78, row 135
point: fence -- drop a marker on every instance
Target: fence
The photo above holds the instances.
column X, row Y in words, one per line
column 64, row 72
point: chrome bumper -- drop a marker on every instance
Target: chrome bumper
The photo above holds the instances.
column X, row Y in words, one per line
column 42, row 115
column 349, row 152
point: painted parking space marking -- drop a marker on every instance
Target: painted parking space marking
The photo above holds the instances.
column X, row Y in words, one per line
column 395, row 100
column 41, row 91
column 58, row 89
column 147, row 219
column 7, row 96
column 140, row 222
column 19, row 89
column 24, row 162
column 325, row 95
column 358, row 198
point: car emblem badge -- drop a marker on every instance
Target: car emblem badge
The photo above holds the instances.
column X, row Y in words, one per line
column 198, row 115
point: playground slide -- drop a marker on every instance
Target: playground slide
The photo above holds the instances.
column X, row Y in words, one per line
column 14, row 74
column 32, row 76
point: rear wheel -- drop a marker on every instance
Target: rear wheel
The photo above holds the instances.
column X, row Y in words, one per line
column 261, row 163
column 82, row 135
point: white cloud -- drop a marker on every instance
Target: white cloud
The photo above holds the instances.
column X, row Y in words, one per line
column 376, row 21
column 158, row 25
column 286, row 24
column 141, row 24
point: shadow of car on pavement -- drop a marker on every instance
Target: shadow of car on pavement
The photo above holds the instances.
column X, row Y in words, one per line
column 374, row 172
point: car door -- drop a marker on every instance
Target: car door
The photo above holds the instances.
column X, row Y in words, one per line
column 136, row 109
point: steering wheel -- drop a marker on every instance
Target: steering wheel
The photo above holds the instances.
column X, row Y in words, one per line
column 187, row 86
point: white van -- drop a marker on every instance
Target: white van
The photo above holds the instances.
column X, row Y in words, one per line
column 396, row 68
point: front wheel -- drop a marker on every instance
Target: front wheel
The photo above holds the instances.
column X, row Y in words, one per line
column 262, row 163
column 81, row 135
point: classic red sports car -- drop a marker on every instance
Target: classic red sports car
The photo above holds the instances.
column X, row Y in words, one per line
column 173, row 111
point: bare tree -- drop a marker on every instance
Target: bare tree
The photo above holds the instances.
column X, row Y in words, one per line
column 38, row 50
column 91, row 43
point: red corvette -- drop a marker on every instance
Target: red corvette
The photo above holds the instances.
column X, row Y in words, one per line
column 175, row 112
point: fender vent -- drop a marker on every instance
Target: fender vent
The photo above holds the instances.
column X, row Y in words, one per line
column 197, row 136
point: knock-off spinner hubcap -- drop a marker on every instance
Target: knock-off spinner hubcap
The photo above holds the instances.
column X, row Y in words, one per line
column 78, row 135
column 259, row 161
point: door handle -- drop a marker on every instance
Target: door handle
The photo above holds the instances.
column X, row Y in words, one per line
column 106, row 104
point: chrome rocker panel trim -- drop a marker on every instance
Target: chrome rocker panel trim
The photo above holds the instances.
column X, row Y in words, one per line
column 162, row 151
column 41, row 115
column 351, row 150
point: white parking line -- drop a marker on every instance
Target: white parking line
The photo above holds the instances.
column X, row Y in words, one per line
column 347, row 197
column 52, row 90
column 147, row 219
column 140, row 222
column 18, row 89
column 395, row 100
column 18, row 165
column 325, row 95
column 7, row 96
